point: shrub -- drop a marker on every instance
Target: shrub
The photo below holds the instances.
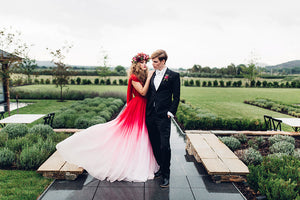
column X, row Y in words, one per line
column 252, row 156
column 252, row 143
column 15, row 130
column 108, row 82
column 33, row 138
column 191, row 82
column 277, row 155
column 82, row 123
column 215, row 83
column 297, row 153
column 98, row 120
column 228, row 83
column 197, row 83
column 42, row 130
column 102, row 82
column 47, row 81
column 114, row 82
column 282, row 147
column 106, row 115
column 241, row 137
column 221, row 83
column 31, row 158
column 78, row 80
column 231, row 142
column 16, row 145
column 7, row 157
column 121, row 82
column 96, row 81
column 279, row 138
column 186, row 83
column 278, row 188
column 3, row 138
column 262, row 177
column 47, row 147
column 204, row 84
column 59, row 121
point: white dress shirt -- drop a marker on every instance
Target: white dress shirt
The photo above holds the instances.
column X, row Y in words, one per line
column 157, row 81
column 159, row 76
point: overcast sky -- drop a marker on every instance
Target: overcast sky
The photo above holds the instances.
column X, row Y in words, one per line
column 211, row 33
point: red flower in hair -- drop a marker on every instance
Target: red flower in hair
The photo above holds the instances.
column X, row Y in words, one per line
column 140, row 57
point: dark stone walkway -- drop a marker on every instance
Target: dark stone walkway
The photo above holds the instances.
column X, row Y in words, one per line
column 188, row 180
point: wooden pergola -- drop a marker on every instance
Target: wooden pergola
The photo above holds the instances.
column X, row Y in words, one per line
column 6, row 59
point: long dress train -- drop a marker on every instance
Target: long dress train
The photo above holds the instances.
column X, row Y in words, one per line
column 117, row 150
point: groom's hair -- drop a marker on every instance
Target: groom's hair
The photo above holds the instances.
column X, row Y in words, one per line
column 160, row 54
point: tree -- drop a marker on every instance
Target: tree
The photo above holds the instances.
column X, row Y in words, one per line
column 250, row 72
column 61, row 73
column 10, row 42
column 27, row 67
column 103, row 71
column 120, row 70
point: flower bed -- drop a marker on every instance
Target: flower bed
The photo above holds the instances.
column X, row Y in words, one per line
column 88, row 112
column 23, row 148
column 292, row 110
column 274, row 164
column 196, row 118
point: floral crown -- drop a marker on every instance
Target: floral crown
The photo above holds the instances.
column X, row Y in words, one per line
column 140, row 57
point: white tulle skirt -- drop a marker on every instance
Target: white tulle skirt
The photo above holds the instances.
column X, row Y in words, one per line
column 114, row 151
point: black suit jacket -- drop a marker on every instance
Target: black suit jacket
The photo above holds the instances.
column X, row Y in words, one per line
column 166, row 97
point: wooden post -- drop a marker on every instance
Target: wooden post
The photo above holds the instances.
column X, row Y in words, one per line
column 5, row 79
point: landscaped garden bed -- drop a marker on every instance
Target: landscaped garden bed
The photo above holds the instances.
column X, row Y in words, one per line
column 293, row 110
column 274, row 165
column 193, row 118
column 24, row 148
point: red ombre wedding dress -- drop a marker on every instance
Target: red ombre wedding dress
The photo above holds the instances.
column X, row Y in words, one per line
column 116, row 150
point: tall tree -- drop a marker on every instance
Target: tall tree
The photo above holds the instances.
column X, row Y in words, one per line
column 27, row 67
column 12, row 49
column 104, row 70
column 61, row 72
column 250, row 72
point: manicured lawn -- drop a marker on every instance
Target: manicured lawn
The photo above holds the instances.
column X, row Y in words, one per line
column 228, row 102
column 225, row 102
column 21, row 185
column 95, row 88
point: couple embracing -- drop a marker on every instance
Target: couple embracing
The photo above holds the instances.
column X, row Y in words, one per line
column 136, row 145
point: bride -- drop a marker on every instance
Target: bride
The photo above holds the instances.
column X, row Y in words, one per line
column 119, row 149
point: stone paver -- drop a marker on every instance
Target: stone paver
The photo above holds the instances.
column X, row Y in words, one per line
column 188, row 180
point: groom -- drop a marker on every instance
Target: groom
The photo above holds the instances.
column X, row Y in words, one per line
column 162, row 102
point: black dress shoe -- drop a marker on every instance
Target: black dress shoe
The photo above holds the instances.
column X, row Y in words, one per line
column 157, row 174
column 165, row 183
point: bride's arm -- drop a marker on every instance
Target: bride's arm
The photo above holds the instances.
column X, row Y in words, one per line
column 138, row 86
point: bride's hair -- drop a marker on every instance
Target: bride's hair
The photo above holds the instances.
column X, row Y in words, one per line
column 140, row 74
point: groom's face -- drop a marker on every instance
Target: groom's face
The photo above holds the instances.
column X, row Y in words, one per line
column 157, row 64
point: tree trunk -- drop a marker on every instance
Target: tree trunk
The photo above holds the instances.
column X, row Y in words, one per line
column 5, row 80
column 61, row 94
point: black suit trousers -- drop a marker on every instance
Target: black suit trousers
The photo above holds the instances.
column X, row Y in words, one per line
column 159, row 134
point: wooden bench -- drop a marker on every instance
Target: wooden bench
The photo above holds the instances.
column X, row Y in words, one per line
column 219, row 161
column 56, row 167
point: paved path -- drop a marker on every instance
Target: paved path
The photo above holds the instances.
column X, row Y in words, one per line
column 188, row 180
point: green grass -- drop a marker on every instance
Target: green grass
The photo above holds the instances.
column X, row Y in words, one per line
column 21, row 185
column 228, row 102
column 95, row 88
column 224, row 102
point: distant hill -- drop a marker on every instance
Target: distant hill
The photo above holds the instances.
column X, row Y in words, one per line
column 286, row 65
column 44, row 63
column 51, row 64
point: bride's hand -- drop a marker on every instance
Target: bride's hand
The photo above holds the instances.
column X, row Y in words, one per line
column 150, row 73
